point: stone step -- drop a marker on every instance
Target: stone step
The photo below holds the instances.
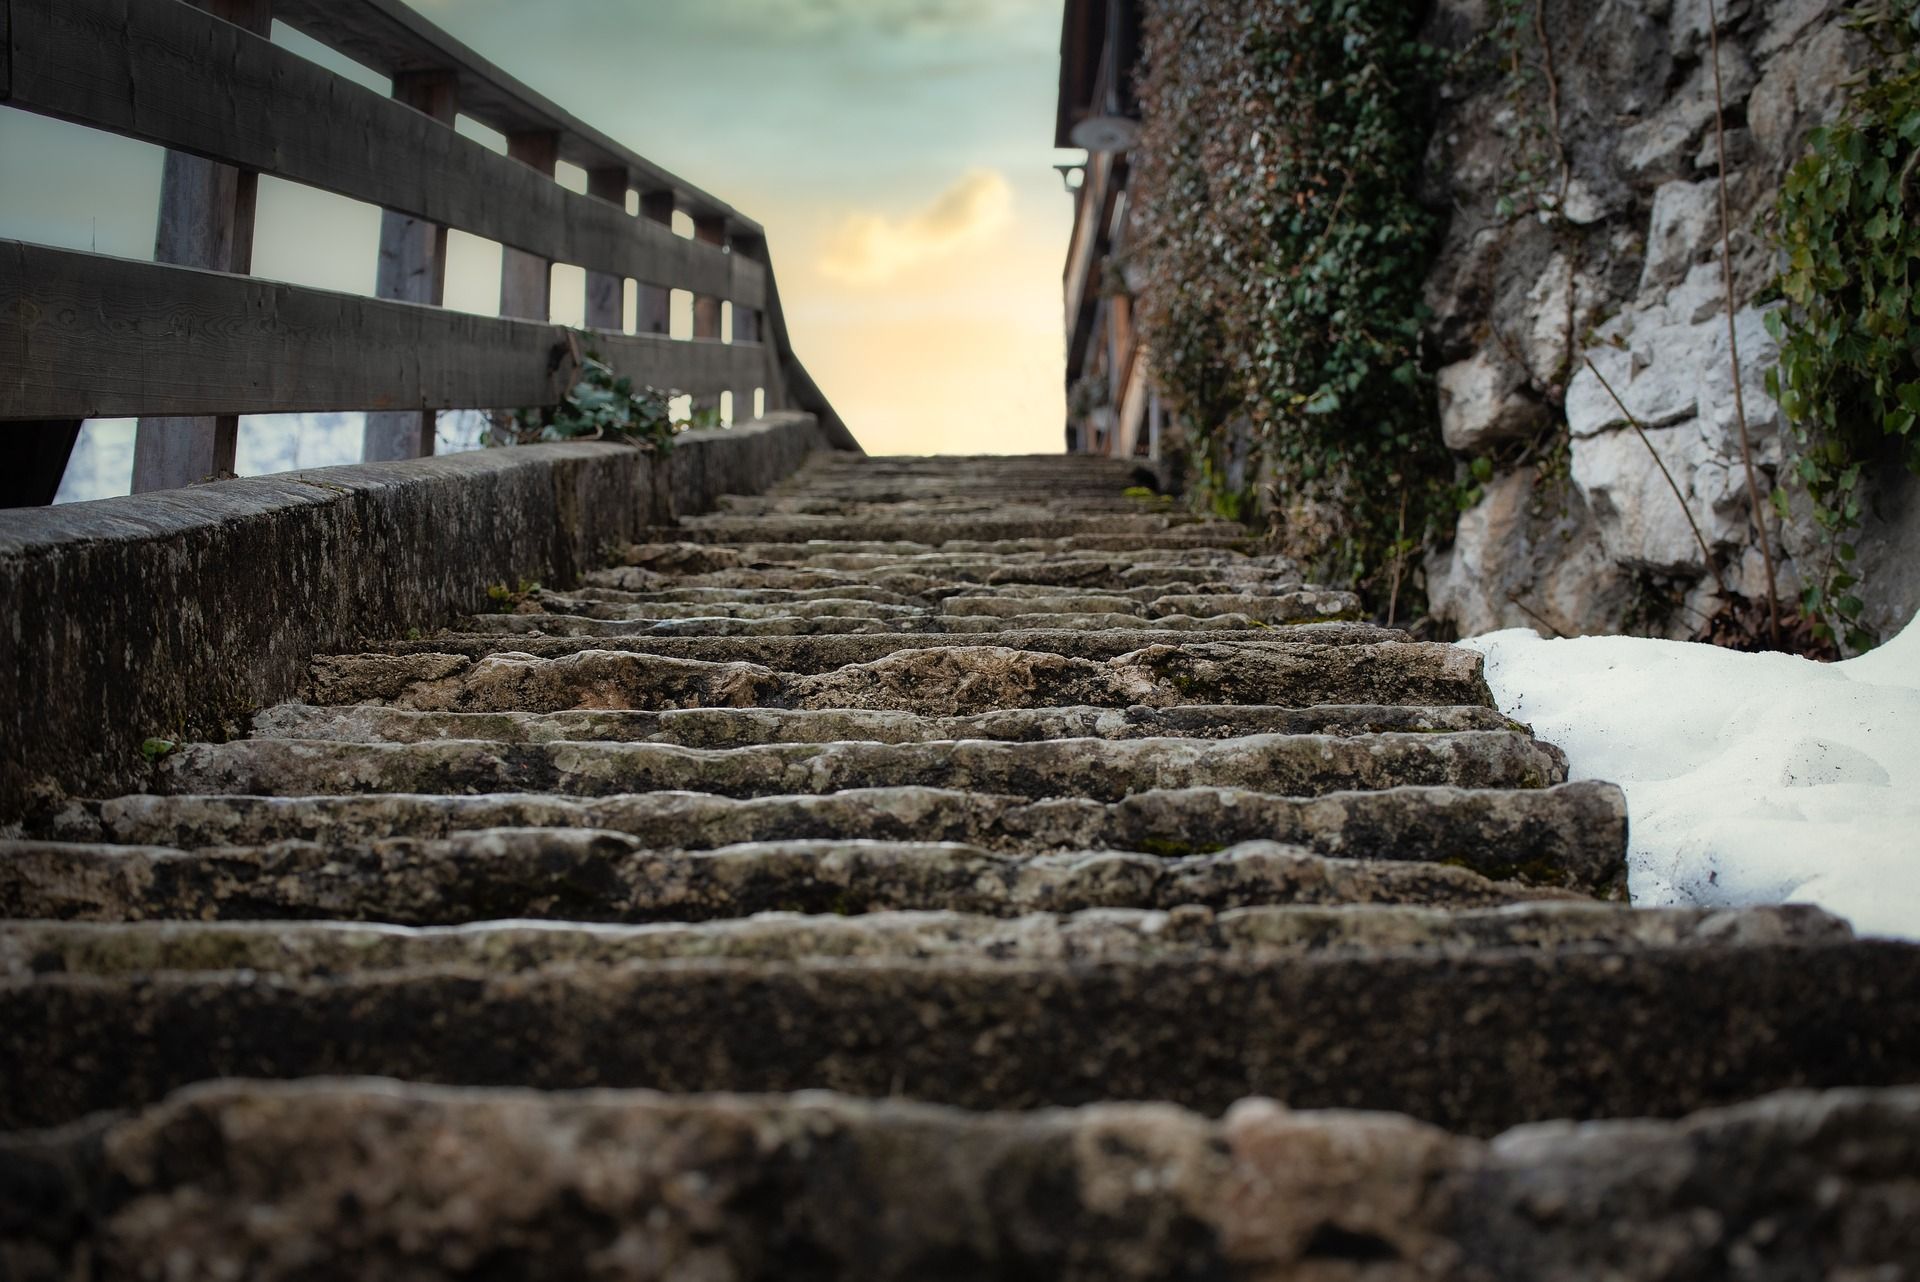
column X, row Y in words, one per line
column 746, row 727
column 703, row 557
column 1805, row 1184
column 819, row 505
column 1475, row 1042
column 1070, row 531
column 608, row 604
column 931, row 595
column 763, row 598
column 815, row 656
column 934, row 582
column 1573, row 835
column 720, row 567
column 1105, row 770
column 582, row 875
column 776, row 625
column 319, row 949
column 934, row 680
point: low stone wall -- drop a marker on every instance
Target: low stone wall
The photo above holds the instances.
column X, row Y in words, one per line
column 176, row 614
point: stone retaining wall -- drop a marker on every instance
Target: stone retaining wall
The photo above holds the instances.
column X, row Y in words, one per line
column 176, row 614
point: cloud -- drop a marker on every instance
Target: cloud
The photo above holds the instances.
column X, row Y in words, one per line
column 893, row 17
column 870, row 249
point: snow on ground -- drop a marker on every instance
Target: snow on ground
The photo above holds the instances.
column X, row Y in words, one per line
column 1750, row 778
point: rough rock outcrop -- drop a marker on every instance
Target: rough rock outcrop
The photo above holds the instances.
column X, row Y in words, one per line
column 1586, row 229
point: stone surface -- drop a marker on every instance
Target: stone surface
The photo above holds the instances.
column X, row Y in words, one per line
column 941, row 680
column 1475, row 1042
column 1180, row 849
column 423, row 1182
column 606, row 877
column 1105, row 934
column 1625, row 272
column 1527, row 555
column 743, row 727
column 127, row 616
column 1105, row 770
column 1571, row 835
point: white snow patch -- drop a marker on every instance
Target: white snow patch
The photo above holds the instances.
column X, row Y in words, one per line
column 1750, row 778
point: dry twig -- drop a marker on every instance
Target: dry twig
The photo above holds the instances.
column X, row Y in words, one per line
column 1733, row 345
column 1706, row 554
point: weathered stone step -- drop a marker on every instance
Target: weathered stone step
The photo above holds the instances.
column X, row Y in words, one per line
column 581, row 875
column 746, row 727
column 759, row 597
column 936, row 595
column 1085, row 575
column 596, row 606
column 316, row 949
column 1105, row 770
column 821, row 505
column 936, row 530
column 1573, row 835
column 816, row 656
column 1806, row 1184
column 970, row 559
column 612, row 605
column 1475, row 1042
column 938, row 680
column 927, row 623
column 924, row 573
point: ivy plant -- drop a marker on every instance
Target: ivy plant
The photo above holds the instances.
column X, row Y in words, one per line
column 601, row 405
column 1283, row 250
column 1848, row 223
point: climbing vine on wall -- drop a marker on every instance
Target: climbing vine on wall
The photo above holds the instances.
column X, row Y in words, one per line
column 1849, row 372
column 1284, row 252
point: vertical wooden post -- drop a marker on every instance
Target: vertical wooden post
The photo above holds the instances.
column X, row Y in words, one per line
column 653, row 304
column 708, row 230
column 606, row 293
column 206, row 220
column 35, row 455
column 748, row 323
column 526, row 280
column 413, row 269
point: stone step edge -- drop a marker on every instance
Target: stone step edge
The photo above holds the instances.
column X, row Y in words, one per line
column 741, row 1185
column 31, row 949
column 746, row 727
column 583, row 876
column 1572, row 835
column 1658, row 1031
column 1100, row 769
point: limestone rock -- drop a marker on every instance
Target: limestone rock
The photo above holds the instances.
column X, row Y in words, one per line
column 1483, row 402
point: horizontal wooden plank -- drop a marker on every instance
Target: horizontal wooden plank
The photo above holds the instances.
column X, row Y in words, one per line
column 167, row 73
column 87, row 336
column 391, row 37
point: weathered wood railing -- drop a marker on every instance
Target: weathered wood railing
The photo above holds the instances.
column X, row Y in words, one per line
column 192, row 337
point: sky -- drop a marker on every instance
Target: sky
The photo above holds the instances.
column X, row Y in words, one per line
column 898, row 152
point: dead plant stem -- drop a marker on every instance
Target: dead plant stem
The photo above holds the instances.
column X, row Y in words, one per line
column 1705, row 553
column 1733, row 344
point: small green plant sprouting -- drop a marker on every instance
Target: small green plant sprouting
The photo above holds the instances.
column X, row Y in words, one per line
column 502, row 599
column 156, row 750
column 1849, row 374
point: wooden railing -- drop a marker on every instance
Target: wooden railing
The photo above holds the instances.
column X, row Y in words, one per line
column 193, row 337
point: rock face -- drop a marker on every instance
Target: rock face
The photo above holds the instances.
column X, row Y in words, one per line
column 676, row 948
column 1607, row 253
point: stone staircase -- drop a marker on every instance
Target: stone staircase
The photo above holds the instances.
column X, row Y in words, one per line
column 1053, row 832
